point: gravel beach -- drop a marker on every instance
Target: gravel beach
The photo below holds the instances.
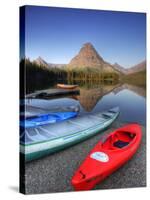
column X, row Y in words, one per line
column 53, row 173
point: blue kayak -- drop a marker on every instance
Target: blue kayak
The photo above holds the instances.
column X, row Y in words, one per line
column 40, row 141
column 48, row 118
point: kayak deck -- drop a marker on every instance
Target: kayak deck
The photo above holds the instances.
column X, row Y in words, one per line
column 109, row 154
column 118, row 141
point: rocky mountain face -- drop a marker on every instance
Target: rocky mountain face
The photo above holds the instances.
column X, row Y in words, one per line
column 89, row 58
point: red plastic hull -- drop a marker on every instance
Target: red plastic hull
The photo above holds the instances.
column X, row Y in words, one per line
column 105, row 158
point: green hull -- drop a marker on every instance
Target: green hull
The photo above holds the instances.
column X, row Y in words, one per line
column 40, row 154
column 41, row 149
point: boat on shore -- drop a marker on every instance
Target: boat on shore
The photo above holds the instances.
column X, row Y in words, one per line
column 48, row 118
column 43, row 140
column 65, row 86
column 31, row 111
column 109, row 154
column 52, row 93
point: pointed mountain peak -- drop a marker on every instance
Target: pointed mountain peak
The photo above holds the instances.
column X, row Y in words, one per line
column 119, row 68
column 40, row 61
column 88, row 45
column 39, row 58
column 87, row 57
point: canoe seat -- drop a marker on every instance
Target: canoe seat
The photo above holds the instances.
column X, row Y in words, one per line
column 112, row 111
column 120, row 144
column 106, row 116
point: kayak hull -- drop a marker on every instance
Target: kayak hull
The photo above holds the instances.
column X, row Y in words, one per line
column 39, row 149
column 37, row 107
column 102, row 162
column 43, row 119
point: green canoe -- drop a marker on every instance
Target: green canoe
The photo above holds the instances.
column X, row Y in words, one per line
column 43, row 140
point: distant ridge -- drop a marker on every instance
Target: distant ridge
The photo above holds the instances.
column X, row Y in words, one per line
column 134, row 69
column 137, row 68
column 41, row 62
column 88, row 58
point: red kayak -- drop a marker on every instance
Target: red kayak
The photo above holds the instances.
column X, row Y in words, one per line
column 107, row 156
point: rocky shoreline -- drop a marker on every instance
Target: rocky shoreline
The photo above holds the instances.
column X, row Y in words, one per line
column 53, row 173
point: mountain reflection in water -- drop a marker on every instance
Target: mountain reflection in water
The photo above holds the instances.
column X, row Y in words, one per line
column 88, row 98
column 131, row 100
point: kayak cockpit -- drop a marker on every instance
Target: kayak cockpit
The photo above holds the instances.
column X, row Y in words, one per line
column 118, row 140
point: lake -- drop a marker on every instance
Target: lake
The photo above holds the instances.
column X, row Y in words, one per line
column 131, row 100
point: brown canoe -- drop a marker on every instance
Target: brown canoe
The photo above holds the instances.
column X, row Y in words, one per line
column 67, row 86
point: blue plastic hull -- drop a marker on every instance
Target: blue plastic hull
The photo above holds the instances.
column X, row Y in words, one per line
column 43, row 140
column 44, row 119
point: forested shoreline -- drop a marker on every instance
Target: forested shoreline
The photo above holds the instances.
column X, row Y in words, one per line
column 37, row 77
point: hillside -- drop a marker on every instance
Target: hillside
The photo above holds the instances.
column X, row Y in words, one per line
column 134, row 69
column 119, row 68
column 137, row 78
column 137, row 68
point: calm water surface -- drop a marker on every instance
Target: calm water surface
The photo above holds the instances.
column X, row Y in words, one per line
column 130, row 99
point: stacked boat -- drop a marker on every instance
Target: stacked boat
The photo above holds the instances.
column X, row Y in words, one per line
column 46, row 129
column 58, row 131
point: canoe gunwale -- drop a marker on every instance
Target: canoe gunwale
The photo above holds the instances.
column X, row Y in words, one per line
column 73, row 134
column 42, row 148
column 63, row 145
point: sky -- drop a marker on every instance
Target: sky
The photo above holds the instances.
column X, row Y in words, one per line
column 57, row 34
